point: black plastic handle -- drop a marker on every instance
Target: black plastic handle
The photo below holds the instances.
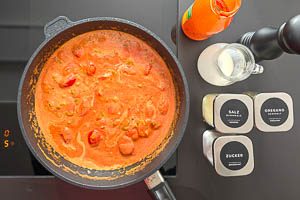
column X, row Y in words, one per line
column 163, row 192
column 56, row 25
column 269, row 43
column 159, row 188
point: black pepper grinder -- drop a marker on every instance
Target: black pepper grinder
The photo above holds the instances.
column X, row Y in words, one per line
column 269, row 43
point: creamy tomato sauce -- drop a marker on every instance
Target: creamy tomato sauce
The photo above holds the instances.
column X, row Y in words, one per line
column 105, row 99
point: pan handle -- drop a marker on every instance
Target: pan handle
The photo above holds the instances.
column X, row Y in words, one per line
column 159, row 187
column 56, row 25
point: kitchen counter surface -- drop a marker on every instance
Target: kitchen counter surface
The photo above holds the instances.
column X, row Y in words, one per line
column 276, row 175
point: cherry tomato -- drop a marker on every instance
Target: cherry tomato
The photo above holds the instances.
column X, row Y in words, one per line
column 94, row 137
column 68, row 81
column 78, row 51
column 90, row 69
column 133, row 133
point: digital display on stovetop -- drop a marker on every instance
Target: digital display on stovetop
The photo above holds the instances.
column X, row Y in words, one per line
column 6, row 139
column 17, row 160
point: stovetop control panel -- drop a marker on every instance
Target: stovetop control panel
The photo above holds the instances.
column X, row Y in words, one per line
column 6, row 139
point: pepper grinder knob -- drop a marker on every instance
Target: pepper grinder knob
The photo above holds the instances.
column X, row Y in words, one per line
column 269, row 43
column 289, row 35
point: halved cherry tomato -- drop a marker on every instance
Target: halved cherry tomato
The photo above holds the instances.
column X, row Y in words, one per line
column 94, row 137
column 67, row 81
column 126, row 145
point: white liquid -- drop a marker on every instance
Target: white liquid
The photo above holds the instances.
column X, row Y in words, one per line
column 232, row 64
column 225, row 63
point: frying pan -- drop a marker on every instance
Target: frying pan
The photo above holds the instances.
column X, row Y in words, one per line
column 57, row 32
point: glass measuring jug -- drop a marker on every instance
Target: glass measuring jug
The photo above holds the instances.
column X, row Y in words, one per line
column 223, row 64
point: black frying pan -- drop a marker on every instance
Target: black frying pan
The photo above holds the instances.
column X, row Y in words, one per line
column 59, row 31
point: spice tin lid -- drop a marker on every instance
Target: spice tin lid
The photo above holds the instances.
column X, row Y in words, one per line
column 233, row 113
column 233, row 155
column 273, row 112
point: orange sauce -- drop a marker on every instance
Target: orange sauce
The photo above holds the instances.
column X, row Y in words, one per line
column 105, row 99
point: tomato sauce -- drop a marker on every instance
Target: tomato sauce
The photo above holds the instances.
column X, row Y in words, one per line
column 105, row 99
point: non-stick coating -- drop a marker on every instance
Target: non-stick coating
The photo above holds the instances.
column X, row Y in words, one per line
column 26, row 103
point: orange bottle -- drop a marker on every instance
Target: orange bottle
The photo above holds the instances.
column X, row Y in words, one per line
column 205, row 18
